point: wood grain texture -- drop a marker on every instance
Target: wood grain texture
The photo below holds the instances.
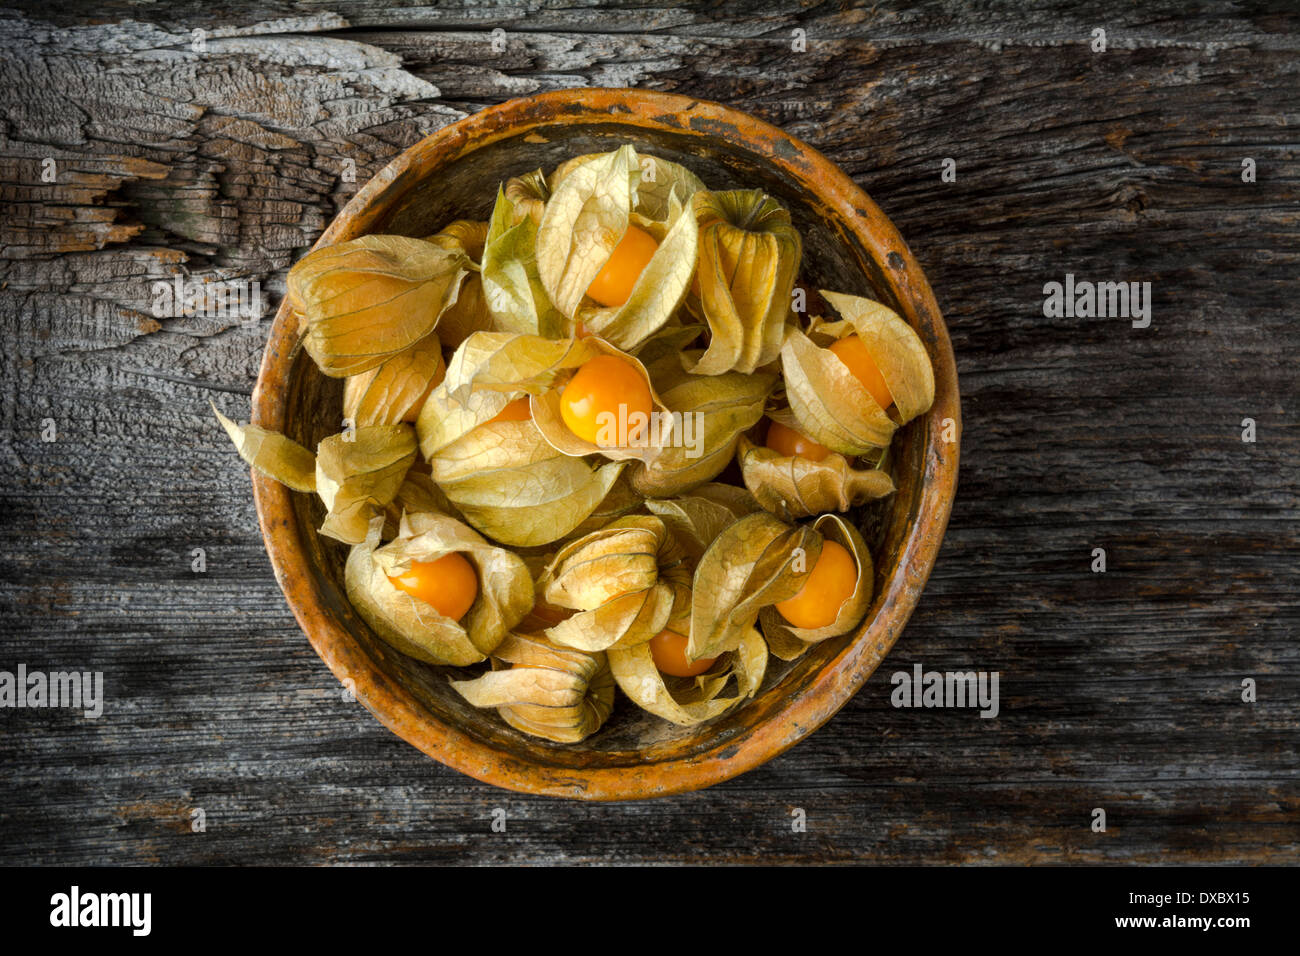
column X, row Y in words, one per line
column 1119, row 690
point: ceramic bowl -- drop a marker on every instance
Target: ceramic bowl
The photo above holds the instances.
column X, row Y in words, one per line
column 849, row 246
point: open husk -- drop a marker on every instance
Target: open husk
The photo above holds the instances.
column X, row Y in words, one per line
column 627, row 581
column 686, row 701
column 486, row 373
column 788, row 642
column 749, row 257
column 794, row 487
column 543, row 689
column 358, row 473
column 586, row 216
column 640, row 438
column 756, row 561
column 363, row 300
column 505, row 590
column 828, row 403
column 897, row 349
column 661, row 287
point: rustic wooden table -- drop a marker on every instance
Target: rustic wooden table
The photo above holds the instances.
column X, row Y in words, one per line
column 132, row 145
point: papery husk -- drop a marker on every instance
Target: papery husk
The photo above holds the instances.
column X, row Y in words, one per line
column 467, row 315
column 513, row 292
column 363, row 300
column 698, row 518
column 659, row 290
column 827, row 402
column 392, row 392
column 794, row 487
column 621, row 500
column 272, row 454
column 527, row 195
column 486, row 373
column 627, row 581
column 788, row 642
column 464, row 235
column 585, row 218
column 545, row 690
column 687, row 701
column 893, row 344
column 358, row 473
column 505, row 590
column 470, row 312
column 513, row 486
column 729, row 404
column 418, row 493
column 757, row 561
column 660, row 179
column 749, row 257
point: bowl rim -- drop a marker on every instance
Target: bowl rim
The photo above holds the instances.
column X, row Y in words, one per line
column 839, row 678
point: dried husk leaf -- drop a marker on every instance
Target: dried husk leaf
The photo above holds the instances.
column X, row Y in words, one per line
column 417, row 629
column 697, row 519
column 547, row 691
column 356, row 477
column 687, row 701
column 272, row 455
column 627, row 581
column 513, row 486
column 660, row 180
column 755, row 562
column 513, row 291
column 827, row 402
column 793, row 487
column 392, row 392
column 659, row 290
column 894, row 345
column 371, row 297
column 749, row 257
column 713, row 411
column 788, row 642
column 586, row 216
column 644, row 442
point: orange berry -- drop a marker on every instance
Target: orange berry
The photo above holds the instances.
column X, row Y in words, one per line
column 852, row 351
column 517, row 411
column 794, row 444
column 449, row 584
column 826, row 588
column 668, row 648
column 606, row 386
column 613, row 283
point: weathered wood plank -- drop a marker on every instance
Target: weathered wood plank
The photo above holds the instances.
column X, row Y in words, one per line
column 1119, row 690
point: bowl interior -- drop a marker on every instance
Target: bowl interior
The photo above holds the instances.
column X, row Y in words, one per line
column 465, row 188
